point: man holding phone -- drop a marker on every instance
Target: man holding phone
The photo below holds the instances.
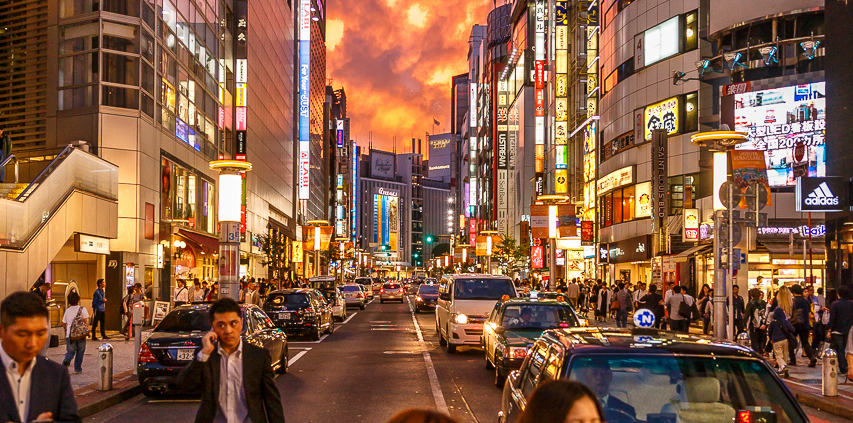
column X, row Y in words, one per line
column 32, row 388
column 236, row 376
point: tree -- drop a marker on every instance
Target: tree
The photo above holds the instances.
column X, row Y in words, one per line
column 440, row 250
column 510, row 256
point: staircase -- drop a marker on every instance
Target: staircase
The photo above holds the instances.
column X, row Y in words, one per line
column 76, row 193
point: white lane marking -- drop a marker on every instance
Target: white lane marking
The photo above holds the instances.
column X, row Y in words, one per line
column 349, row 318
column 297, row 357
column 430, row 368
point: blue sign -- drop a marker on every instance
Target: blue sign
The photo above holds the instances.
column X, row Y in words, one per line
column 644, row 318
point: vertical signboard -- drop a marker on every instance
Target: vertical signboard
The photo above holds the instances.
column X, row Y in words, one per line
column 537, row 257
column 540, row 13
column 339, row 132
column 561, row 93
column 660, row 177
column 241, row 54
column 354, row 189
column 304, row 97
column 502, row 158
column 690, row 231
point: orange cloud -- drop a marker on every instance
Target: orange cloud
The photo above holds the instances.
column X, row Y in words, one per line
column 395, row 60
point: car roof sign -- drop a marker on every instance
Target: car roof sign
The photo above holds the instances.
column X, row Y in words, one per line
column 644, row 318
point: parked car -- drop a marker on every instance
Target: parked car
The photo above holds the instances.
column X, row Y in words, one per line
column 426, row 298
column 377, row 284
column 644, row 375
column 515, row 324
column 464, row 303
column 367, row 286
column 300, row 312
column 336, row 299
column 391, row 291
column 176, row 340
column 353, row 295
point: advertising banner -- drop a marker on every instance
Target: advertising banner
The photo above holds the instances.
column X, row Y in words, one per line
column 539, row 221
column 663, row 115
column 587, row 231
column 690, row 229
column 472, row 232
column 297, row 251
column 749, row 168
column 567, row 223
column 632, row 249
column 537, row 257
column 828, row 194
column 776, row 120
column 643, row 204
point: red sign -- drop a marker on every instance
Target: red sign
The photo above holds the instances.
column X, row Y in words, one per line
column 732, row 89
column 540, row 74
column 241, row 118
column 799, row 151
column 473, row 232
column 540, row 102
column 536, row 257
column 691, row 234
column 587, row 231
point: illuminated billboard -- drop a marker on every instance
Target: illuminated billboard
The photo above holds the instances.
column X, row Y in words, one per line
column 304, row 97
column 386, row 218
column 663, row 115
column 776, row 120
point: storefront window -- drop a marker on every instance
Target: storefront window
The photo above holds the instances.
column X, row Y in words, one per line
column 628, row 204
column 620, row 206
column 617, row 206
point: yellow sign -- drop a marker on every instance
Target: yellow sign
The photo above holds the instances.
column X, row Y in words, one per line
column 561, row 181
column 241, row 95
column 663, row 115
column 297, row 252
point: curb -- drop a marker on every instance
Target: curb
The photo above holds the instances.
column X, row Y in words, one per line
column 91, row 401
column 828, row 404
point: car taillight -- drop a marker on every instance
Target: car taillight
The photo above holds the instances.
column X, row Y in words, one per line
column 564, row 325
column 145, row 355
column 744, row 416
column 401, row 290
column 382, row 291
column 358, row 295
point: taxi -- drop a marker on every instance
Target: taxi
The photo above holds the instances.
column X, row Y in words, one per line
column 514, row 324
column 646, row 375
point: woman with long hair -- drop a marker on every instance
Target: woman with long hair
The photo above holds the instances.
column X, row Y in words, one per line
column 561, row 401
column 781, row 327
column 415, row 415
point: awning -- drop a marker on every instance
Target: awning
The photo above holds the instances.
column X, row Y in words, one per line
column 695, row 251
column 207, row 242
column 781, row 248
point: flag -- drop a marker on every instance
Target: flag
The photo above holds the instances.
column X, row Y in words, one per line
column 435, row 122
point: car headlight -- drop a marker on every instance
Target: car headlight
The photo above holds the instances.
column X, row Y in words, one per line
column 517, row 352
column 419, row 299
column 461, row 319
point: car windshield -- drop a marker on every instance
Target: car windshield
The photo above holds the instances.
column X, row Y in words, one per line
column 185, row 320
column 428, row 290
column 684, row 389
column 350, row 288
column 535, row 316
column 483, row 289
column 288, row 299
column 329, row 294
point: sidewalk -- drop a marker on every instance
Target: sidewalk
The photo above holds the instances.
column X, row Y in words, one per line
column 125, row 385
column 804, row 382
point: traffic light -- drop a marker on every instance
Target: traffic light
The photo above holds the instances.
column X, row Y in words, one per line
column 429, row 238
column 384, row 248
column 416, row 255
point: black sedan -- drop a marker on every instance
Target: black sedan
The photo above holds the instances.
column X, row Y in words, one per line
column 300, row 312
column 177, row 339
column 426, row 298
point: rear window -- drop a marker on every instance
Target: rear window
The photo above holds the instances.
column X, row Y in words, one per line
column 364, row 281
column 536, row 316
column 350, row 288
column 185, row 320
column 391, row 286
column 483, row 289
column 288, row 299
column 428, row 289
column 328, row 293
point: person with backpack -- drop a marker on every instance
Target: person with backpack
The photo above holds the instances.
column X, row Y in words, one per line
column 76, row 324
column 800, row 320
column 126, row 309
column 756, row 312
column 679, row 319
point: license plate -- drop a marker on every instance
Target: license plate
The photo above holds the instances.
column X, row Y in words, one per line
column 185, row 354
column 284, row 316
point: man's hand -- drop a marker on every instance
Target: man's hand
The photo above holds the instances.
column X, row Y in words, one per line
column 105, row 300
column 43, row 417
column 208, row 343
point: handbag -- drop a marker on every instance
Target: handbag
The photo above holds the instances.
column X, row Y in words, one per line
column 79, row 327
column 792, row 339
column 684, row 310
column 614, row 306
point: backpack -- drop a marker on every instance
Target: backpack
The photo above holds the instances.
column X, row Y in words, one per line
column 79, row 326
column 759, row 317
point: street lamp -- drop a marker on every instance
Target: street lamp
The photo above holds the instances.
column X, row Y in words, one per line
column 721, row 143
column 317, row 244
column 229, row 213
column 489, row 235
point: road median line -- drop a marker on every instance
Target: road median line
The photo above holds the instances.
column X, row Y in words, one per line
column 435, row 386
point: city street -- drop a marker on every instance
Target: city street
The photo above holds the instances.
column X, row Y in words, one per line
column 370, row 368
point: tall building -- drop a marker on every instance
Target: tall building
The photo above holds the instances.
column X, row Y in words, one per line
column 157, row 90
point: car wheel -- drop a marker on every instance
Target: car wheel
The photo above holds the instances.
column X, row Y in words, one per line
column 283, row 363
column 150, row 393
column 441, row 341
column 450, row 347
column 500, row 377
column 361, row 307
column 381, row 301
column 489, row 365
column 316, row 335
column 331, row 326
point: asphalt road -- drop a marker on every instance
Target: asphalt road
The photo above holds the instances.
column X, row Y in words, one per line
column 373, row 366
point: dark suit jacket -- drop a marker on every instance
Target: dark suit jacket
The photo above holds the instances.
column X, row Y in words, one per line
column 619, row 405
column 50, row 391
column 262, row 397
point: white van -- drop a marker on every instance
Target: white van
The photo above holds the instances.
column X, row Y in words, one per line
column 464, row 303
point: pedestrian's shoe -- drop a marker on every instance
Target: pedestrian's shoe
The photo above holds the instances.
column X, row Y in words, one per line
column 76, row 372
column 66, row 363
column 792, row 362
column 785, row 373
column 813, row 363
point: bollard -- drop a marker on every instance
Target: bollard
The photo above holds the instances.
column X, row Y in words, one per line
column 829, row 387
column 105, row 367
column 743, row 339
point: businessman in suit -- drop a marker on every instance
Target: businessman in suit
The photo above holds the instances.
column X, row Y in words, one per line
column 31, row 387
column 598, row 377
column 236, row 377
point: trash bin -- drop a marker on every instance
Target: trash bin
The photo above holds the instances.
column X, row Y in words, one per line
column 829, row 386
column 105, row 367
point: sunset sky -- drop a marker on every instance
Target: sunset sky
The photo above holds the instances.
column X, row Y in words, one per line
column 395, row 59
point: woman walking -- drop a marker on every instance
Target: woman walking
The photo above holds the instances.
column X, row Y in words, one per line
column 76, row 323
column 781, row 330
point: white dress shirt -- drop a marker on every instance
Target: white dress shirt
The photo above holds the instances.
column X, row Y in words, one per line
column 232, row 397
column 19, row 383
column 181, row 294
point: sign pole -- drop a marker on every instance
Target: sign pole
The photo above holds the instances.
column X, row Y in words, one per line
column 731, row 269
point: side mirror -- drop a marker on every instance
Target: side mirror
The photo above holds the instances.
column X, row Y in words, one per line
column 500, row 330
column 445, row 296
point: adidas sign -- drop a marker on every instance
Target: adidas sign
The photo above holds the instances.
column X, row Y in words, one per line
column 822, row 196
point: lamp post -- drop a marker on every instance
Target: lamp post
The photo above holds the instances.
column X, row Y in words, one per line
column 489, row 235
column 721, row 143
column 317, row 244
column 230, row 201
column 552, row 201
